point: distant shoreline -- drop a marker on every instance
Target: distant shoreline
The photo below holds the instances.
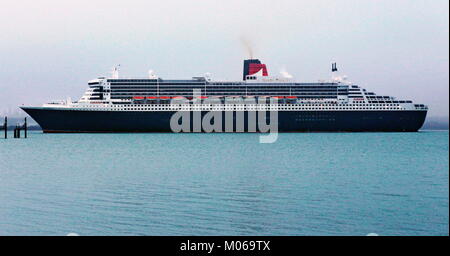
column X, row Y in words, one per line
column 30, row 128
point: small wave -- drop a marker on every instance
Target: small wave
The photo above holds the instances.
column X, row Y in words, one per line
column 390, row 194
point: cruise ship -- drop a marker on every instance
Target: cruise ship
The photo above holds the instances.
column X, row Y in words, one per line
column 113, row 104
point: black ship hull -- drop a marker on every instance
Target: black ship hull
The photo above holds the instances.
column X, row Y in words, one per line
column 67, row 121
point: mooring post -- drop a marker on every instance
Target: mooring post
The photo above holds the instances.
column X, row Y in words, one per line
column 25, row 127
column 5, row 126
column 18, row 131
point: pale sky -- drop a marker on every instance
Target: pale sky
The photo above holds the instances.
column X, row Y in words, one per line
column 50, row 49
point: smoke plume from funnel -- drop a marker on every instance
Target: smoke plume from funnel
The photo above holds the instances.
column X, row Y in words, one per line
column 248, row 46
column 284, row 73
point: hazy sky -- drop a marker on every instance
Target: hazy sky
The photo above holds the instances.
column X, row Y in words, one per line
column 50, row 49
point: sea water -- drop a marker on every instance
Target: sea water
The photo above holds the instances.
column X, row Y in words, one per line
column 225, row 184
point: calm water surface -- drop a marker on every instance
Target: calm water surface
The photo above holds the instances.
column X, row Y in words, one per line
column 225, row 184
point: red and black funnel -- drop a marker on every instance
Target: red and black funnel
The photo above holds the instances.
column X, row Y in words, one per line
column 253, row 66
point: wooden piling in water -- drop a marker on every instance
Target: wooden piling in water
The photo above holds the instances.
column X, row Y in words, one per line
column 17, row 129
column 25, row 128
column 5, row 126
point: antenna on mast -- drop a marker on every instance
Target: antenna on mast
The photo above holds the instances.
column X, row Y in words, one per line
column 334, row 67
column 335, row 75
column 115, row 72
